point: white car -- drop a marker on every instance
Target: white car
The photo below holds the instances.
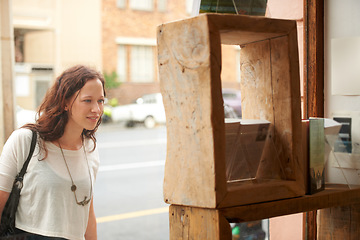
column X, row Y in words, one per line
column 148, row 109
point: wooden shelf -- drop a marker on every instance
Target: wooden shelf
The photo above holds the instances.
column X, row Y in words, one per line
column 195, row 183
column 205, row 223
column 331, row 197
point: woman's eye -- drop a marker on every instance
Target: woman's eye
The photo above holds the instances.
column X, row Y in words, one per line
column 101, row 101
column 87, row 100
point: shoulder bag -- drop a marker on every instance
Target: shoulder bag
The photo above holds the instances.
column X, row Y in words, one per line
column 7, row 227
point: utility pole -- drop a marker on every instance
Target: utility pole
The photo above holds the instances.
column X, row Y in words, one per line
column 7, row 98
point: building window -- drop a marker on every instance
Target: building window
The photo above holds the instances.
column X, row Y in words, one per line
column 121, row 63
column 145, row 5
column 142, row 64
column 162, row 5
column 121, row 3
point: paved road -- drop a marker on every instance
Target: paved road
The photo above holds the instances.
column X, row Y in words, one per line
column 128, row 192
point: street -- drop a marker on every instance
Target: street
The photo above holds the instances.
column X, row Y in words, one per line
column 128, row 197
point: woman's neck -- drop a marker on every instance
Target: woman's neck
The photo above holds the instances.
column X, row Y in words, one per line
column 70, row 140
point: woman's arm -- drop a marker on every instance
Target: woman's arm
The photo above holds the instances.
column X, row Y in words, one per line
column 3, row 198
column 91, row 230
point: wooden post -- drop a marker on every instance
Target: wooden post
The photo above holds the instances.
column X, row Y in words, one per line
column 7, row 122
column 197, row 223
column 339, row 223
column 314, row 58
column 313, row 79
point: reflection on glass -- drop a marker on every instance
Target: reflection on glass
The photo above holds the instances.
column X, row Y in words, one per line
column 245, row 7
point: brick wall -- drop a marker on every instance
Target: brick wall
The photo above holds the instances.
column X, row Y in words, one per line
column 142, row 24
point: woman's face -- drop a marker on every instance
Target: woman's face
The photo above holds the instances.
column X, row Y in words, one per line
column 86, row 106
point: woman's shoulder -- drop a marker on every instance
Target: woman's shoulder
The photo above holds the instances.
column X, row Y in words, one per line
column 18, row 142
column 21, row 134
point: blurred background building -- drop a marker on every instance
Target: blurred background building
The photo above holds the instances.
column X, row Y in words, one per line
column 129, row 44
column 118, row 37
column 50, row 36
column 115, row 36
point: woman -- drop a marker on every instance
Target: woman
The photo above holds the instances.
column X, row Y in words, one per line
column 56, row 199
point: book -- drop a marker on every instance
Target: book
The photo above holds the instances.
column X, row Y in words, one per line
column 316, row 155
column 245, row 143
column 321, row 143
column 305, row 150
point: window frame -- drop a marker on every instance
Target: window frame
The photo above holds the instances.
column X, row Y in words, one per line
column 139, row 5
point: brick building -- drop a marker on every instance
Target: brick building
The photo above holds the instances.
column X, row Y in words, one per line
column 129, row 44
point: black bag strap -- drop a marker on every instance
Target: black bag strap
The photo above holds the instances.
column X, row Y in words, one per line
column 32, row 148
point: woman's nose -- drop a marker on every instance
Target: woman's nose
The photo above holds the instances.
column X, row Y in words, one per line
column 96, row 108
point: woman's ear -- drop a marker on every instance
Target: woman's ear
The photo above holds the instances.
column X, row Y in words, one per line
column 67, row 105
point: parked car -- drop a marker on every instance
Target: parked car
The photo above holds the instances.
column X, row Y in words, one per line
column 148, row 109
column 232, row 98
column 24, row 116
column 106, row 117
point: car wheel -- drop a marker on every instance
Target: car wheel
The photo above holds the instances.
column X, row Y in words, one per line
column 105, row 119
column 130, row 124
column 149, row 122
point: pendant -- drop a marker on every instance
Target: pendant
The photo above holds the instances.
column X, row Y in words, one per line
column 73, row 188
column 84, row 202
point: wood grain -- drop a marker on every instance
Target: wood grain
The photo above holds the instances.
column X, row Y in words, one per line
column 189, row 53
column 325, row 199
column 189, row 66
column 197, row 223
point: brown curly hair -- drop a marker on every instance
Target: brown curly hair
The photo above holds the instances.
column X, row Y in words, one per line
column 52, row 117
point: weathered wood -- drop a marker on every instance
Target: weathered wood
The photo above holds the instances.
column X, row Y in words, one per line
column 197, row 223
column 355, row 220
column 314, row 58
column 271, row 91
column 253, row 193
column 189, row 54
column 325, row 199
column 201, row 223
column 239, row 30
column 339, row 223
column 310, row 230
column 189, row 65
column 313, row 76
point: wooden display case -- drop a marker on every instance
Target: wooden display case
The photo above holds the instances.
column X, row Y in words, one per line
column 189, row 54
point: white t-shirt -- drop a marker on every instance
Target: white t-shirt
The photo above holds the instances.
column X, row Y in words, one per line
column 47, row 205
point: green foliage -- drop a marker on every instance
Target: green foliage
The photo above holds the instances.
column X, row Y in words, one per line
column 111, row 80
column 107, row 111
column 113, row 102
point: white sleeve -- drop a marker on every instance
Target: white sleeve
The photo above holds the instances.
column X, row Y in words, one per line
column 13, row 156
column 96, row 162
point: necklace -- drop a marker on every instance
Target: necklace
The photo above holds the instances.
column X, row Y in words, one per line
column 73, row 186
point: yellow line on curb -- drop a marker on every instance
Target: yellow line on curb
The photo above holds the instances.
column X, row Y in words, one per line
column 132, row 215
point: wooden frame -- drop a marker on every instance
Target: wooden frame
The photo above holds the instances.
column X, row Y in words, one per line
column 200, row 223
column 314, row 58
column 313, row 79
column 190, row 66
